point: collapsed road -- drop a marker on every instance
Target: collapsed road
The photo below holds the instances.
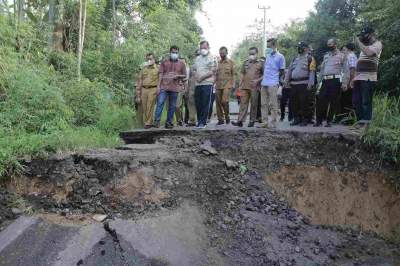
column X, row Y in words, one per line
column 218, row 197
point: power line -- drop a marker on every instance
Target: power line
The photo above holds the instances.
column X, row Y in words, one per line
column 264, row 8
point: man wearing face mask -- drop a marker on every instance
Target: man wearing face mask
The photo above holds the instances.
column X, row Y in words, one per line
column 172, row 72
column 366, row 75
column 204, row 69
column 274, row 71
column 146, row 90
column 224, row 83
column 250, row 85
column 334, row 76
column 301, row 78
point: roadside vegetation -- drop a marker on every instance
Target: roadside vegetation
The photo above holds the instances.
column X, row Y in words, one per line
column 49, row 102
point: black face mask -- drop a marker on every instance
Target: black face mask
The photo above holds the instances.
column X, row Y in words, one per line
column 300, row 50
column 365, row 39
column 331, row 48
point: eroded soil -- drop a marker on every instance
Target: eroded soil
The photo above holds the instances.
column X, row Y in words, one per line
column 263, row 198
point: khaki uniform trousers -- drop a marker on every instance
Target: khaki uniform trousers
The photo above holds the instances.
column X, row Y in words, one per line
column 149, row 98
column 191, row 105
column 222, row 99
column 179, row 107
column 248, row 96
column 269, row 104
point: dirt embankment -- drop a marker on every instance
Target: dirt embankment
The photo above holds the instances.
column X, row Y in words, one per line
column 268, row 198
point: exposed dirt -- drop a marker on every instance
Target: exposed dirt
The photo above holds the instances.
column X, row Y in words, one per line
column 255, row 191
column 340, row 198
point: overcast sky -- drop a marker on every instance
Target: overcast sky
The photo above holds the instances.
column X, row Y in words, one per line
column 225, row 22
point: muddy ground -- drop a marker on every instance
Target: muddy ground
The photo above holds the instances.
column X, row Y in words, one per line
column 265, row 198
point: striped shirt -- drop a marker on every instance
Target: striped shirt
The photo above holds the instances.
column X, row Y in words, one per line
column 367, row 66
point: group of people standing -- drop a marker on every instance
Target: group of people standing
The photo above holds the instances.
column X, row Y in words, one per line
column 342, row 85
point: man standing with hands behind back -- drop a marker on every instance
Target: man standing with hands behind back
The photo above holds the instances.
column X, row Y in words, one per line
column 274, row 71
column 224, row 83
column 204, row 69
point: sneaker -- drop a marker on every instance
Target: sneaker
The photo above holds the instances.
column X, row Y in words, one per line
column 180, row 123
column 156, row 124
column 251, row 124
column 220, row 122
column 201, row 126
column 169, row 126
column 237, row 124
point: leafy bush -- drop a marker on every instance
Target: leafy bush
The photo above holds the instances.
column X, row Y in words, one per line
column 384, row 130
column 87, row 100
column 115, row 119
column 30, row 103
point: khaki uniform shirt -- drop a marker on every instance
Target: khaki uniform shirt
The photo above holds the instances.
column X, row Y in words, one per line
column 225, row 74
column 252, row 71
column 335, row 63
column 149, row 76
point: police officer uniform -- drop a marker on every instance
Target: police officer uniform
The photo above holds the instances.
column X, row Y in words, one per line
column 301, row 77
column 334, row 73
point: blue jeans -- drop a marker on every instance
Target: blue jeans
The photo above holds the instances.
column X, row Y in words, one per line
column 202, row 95
column 162, row 98
column 362, row 99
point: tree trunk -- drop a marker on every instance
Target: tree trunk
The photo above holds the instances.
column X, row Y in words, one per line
column 82, row 24
column 114, row 26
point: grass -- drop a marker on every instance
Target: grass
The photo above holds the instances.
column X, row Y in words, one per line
column 17, row 146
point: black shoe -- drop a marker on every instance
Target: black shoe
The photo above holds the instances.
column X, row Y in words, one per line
column 237, row 124
column 228, row 121
column 169, row 126
column 190, row 125
column 180, row 123
column 156, row 124
column 318, row 124
column 259, row 120
column 303, row 124
column 251, row 124
column 220, row 122
column 295, row 123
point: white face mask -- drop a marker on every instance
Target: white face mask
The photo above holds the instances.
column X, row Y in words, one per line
column 252, row 57
column 150, row 62
column 204, row 52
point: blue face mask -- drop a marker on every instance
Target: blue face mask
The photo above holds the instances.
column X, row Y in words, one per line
column 174, row 56
column 269, row 51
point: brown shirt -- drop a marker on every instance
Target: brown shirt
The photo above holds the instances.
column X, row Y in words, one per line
column 225, row 74
column 149, row 76
column 252, row 71
column 169, row 70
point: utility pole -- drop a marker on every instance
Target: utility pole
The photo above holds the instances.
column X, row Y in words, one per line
column 264, row 8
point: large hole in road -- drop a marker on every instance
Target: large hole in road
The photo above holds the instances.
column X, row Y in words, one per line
column 228, row 198
column 340, row 198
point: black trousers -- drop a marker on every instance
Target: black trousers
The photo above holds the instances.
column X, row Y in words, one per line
column 299, row 97
column 310, row 105
column 259, row 108
column 285, row 101
column 328, row 100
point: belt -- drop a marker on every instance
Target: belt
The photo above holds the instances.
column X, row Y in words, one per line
column 300, row 79
column 332, row 77
column 149, row 87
